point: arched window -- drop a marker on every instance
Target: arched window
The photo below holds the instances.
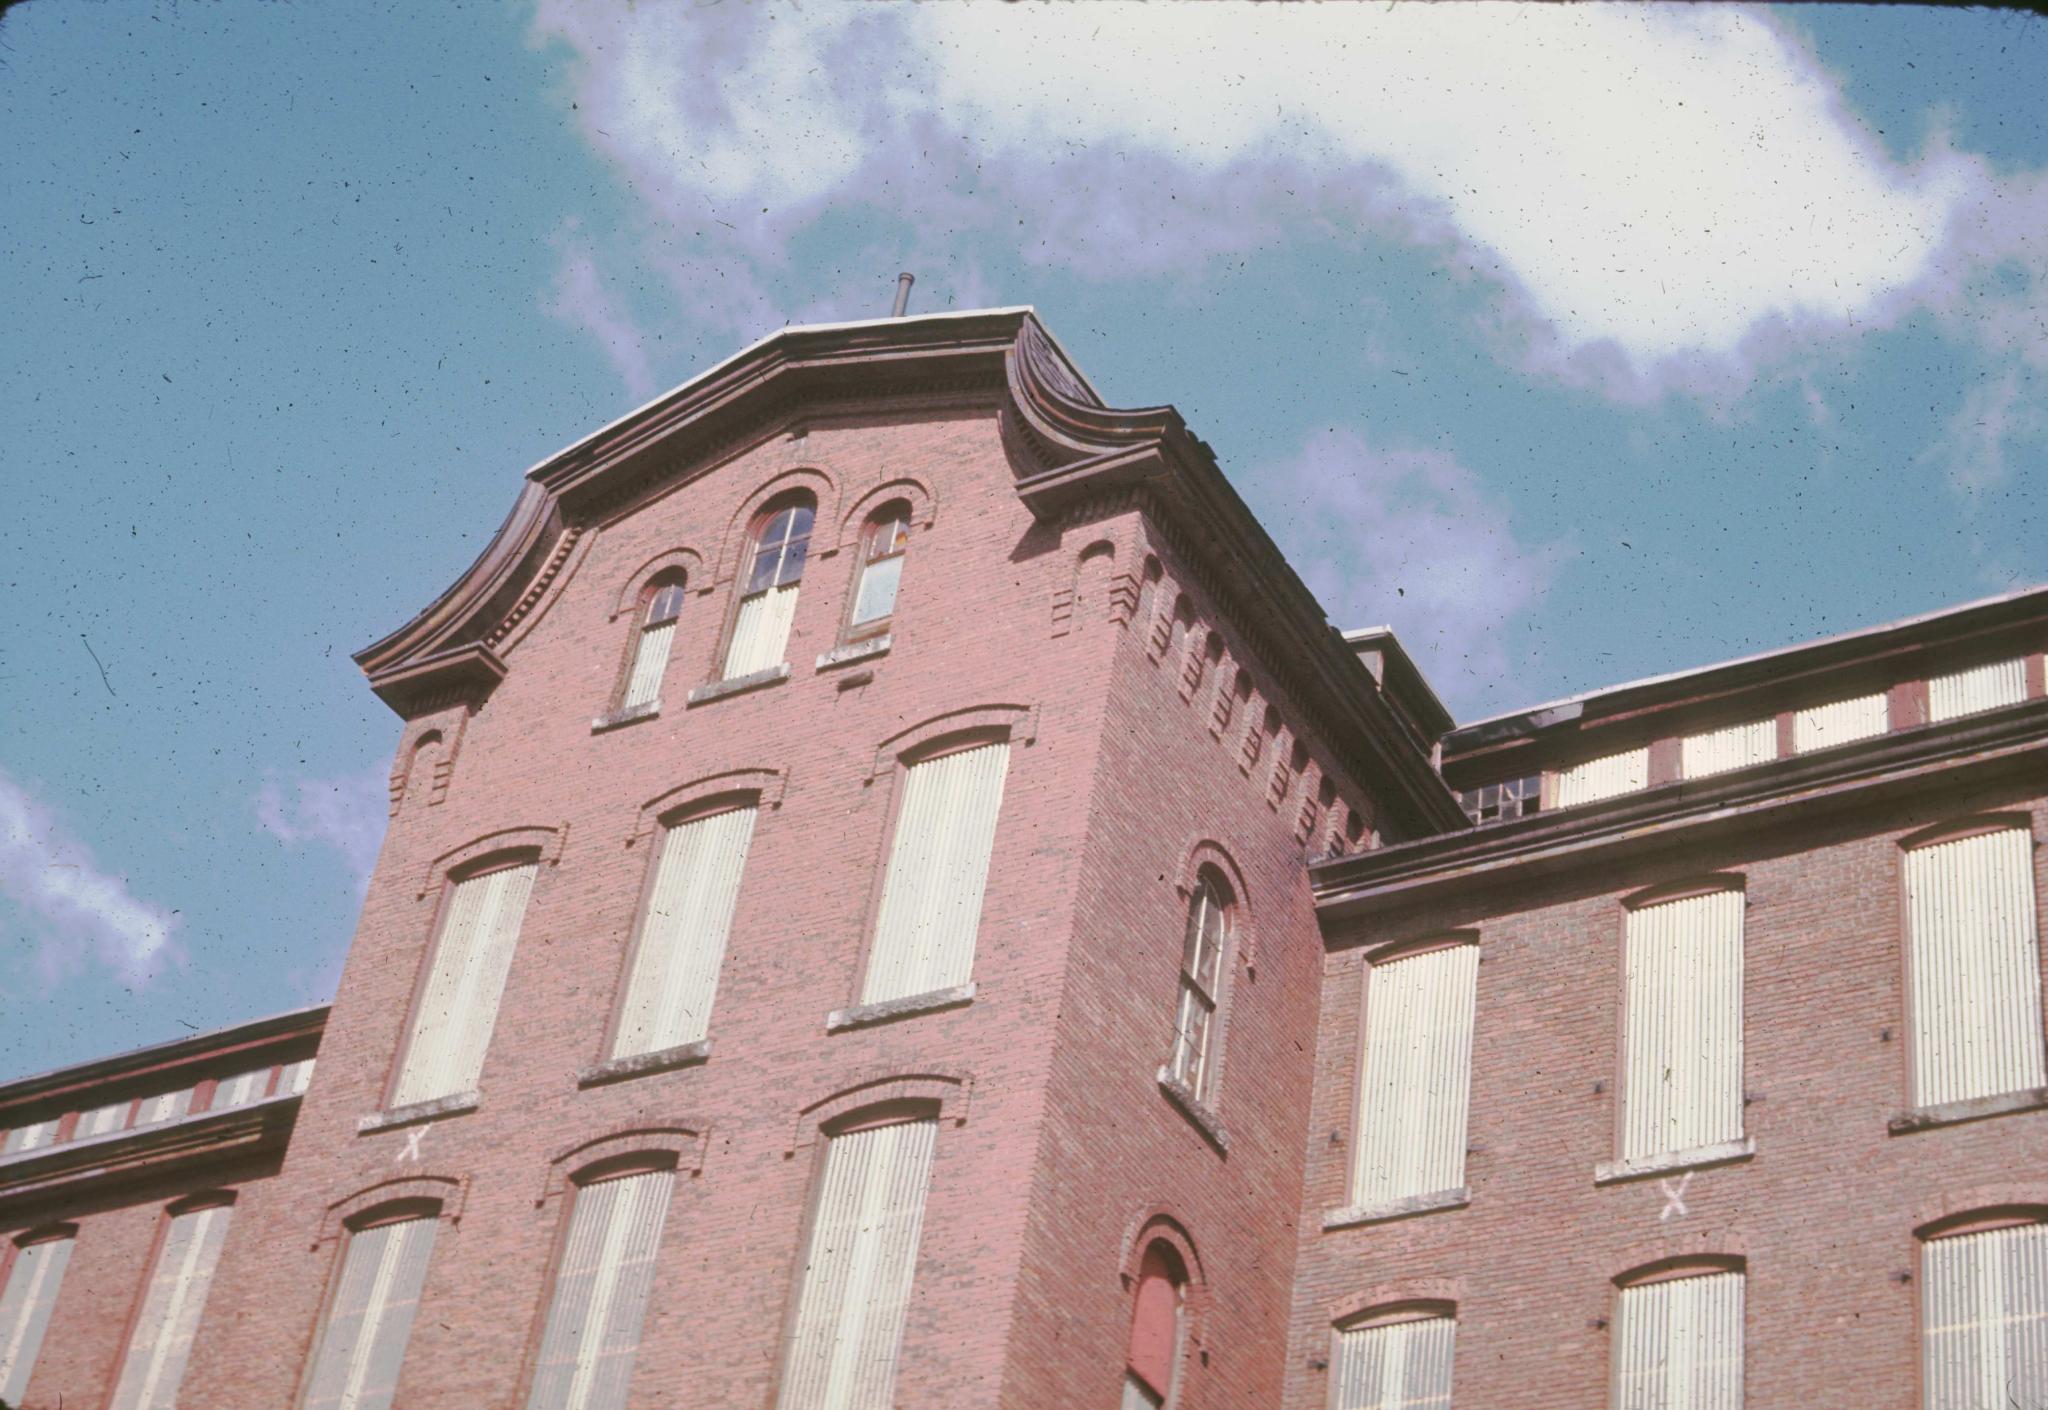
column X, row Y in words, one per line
column 370, row 1308
column 651, row 644
column 603, row 1276
column 882, row 544
column 1678, row 1339
column 1397, row 1359
column 1158, row 1319
column 774, row 565
column 1983, row 1305
column 1202, row 974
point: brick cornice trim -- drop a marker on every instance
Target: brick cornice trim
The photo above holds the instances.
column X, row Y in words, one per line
column 1019, row 723
column 1441, row 1295
column 678, row 1147
column 946, row 1094
column 1945, row 1213
column 546, row 841
column 1166, row 1220
column 923, row 509
column 766, row 784
column 446, row 1192
column 1709, row 1250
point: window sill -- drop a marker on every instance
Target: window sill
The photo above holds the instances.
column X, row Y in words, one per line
column 1926, row 1118
column 453, row 1105
column 1352, row 1216
column 888, row 1010
column 619, row 1069
column 856, row 651
column 625, row 715
column 1614, row 1172
column 738, row 685
column 1192, row 1107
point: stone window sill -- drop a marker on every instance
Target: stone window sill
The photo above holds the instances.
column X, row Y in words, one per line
column 1352, row 1216
column 385, row 1120
column 619, row 1069
column 855, row 651
column 1614, row 1172
column 625, row 715
column 1926, row 1118
column 738, row 685
column 888, row 1010
column 1193, row 1108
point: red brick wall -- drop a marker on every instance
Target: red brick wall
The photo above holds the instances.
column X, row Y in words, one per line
column 1824, row 1212
column 973, row 628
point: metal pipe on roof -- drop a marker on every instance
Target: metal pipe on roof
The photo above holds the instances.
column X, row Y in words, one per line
column 903, row 283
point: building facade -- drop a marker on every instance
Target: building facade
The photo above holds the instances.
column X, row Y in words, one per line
column 895, row 896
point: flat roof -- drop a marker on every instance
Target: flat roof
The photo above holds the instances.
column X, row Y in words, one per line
column 168, row 1048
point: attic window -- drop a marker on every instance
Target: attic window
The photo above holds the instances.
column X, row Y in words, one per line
column 1497, row 802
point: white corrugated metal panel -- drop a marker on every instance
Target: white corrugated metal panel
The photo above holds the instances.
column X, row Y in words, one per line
column 460, row 1003
column 1138, row 1395
column 938, row 867
column 1626, row 772
column 876, row 597
column 171, row 1308
column 101, row 1119
column 601, row 1288
column 1678, row 1345
column 1844, row 722
column 760, row 631
column 1975, row 967
column 296, row 1077
column 32, row 1283
column 1415, row 1082
column 156, row 1111
column 1400, row 1366
column 650, row 660
column 1719, row 751
column 370, row 1318
column 858, row 1270
column 33, row 1136
column 682, row 937
column 242, row 1089
column 1682, row 1073
column 1979, row 688
column 1984, row 1319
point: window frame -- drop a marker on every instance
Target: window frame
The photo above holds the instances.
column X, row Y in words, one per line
column 1391, row 1314
column 1421, row 1201
column 902, row 514
column 1672, row 1270
column 1208, row 885
column 654, row 592
column 758, row 524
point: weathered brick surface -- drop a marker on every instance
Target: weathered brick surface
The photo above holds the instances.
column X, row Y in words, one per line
column 1825, row 1212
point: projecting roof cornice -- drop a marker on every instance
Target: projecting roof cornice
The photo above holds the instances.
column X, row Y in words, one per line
column 1073, row 452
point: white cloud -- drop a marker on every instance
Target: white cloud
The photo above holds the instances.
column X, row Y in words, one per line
column 1411, row 538
column 81, row 911
column 582, row 301
column 1974, row 449
column 1666, row 193
column 347, row 813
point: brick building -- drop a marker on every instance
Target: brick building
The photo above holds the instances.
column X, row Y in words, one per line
column 895, row 896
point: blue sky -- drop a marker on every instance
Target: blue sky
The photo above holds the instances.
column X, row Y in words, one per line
column 1577, row 344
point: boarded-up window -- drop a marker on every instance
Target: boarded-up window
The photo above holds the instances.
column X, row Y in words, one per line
column 857, row 1269
column 1844, row 722
column 1736, row 747
column 242, row 1089
column 938, row 866
column 1682, row 1072
column 774, row 568
column 682, row 937
column 1156, row 1330
column 1678, row 1344
column 1202, row 970
column 171, row 1308
column 369, row 1320
column 1415, row 1079
column 162, row 1109
column 296, row 1077
column 1980, row 688
column 460, row 1002
column 1608, row 777
column 601, row 1288
column 1394, row 1366
column 883, row 543
column 1984, row 1319
column 33, row 1277
column 651, row 646
column 1976, row 985
column 34, row 1136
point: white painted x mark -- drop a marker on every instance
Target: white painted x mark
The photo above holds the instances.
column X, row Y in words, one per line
column 1674, row 1197
column 412, row 1146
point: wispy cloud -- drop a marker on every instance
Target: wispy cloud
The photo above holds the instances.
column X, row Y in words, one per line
column 81, row 913
column 1412, row 538
column 1666, row 195
column 581, row 300
column 1975, row 447
column 346, row 813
